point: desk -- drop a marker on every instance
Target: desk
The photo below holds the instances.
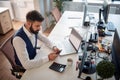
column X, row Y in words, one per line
column 62, row 27
column 61, row 30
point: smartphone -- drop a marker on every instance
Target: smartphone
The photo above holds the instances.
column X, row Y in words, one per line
column 59, row 52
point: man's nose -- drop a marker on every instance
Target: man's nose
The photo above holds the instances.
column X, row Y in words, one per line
column 39, row 28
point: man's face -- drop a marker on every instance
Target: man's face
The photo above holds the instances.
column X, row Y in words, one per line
column 35, row 27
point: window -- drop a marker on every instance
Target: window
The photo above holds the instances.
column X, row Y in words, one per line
column 92, row 0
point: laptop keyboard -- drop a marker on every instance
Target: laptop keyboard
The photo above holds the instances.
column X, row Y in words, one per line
column 67, row 44
column 66, row 47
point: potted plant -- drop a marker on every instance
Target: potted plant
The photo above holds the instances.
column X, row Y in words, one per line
column 105, row 69
column 59, row 4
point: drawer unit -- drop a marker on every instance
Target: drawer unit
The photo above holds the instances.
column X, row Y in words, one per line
column 5, row 21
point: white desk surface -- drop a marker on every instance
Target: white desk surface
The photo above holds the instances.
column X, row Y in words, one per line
column 60, row 31
column 67, row 20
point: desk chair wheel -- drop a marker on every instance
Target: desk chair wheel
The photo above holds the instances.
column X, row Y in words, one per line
column 88, row 78
column 17, row 73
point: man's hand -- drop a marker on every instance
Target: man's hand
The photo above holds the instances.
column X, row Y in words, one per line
column 52, row 56
column 56, row 50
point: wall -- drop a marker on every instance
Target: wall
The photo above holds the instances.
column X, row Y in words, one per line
column 92, row 6
column 21, row 7
column 114, row 7
column 44, row 6
column 72, row 6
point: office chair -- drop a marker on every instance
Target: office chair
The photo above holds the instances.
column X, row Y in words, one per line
column 56, row 14
column 8, row 51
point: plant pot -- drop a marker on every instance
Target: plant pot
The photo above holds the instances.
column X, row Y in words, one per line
column 105, row 69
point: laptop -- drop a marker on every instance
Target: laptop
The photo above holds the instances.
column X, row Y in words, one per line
column 71, row 44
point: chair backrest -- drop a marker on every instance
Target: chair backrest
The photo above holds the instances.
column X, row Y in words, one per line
column 8, row 50
column 56, row 14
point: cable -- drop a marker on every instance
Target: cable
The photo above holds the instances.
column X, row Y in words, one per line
column 104, row 58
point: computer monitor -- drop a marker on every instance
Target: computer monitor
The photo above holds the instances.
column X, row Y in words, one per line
column 85, row 12
column 103, row 18
column 81, row 64
column 105, row 12
column 116, row 53
column 86, row 66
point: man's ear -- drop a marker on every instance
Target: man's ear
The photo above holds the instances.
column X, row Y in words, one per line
column 29, row 23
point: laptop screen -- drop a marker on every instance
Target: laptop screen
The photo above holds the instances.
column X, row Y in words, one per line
column 75, row 39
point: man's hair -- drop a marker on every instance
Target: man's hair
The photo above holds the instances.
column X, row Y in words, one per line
column 34, row 16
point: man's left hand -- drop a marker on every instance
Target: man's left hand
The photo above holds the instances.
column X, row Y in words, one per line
column 56, row 50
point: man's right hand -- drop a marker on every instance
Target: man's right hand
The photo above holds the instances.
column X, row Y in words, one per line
column 52, row 56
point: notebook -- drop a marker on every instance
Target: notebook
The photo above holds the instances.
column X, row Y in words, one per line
column 71, row 44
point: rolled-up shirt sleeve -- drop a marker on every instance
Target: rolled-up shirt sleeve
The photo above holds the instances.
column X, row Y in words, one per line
column 46, row 40
column 21, row 51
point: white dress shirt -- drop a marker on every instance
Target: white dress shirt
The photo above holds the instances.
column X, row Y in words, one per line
column 42, row 54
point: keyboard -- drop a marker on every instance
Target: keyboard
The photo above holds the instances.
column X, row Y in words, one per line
column 57, row 67
column 110, row 26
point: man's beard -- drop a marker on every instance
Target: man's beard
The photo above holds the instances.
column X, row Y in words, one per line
column 34, row 32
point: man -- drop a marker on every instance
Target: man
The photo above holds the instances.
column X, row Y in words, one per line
column 25, row 43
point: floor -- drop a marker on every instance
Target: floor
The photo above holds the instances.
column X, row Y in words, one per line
column 5, row 73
